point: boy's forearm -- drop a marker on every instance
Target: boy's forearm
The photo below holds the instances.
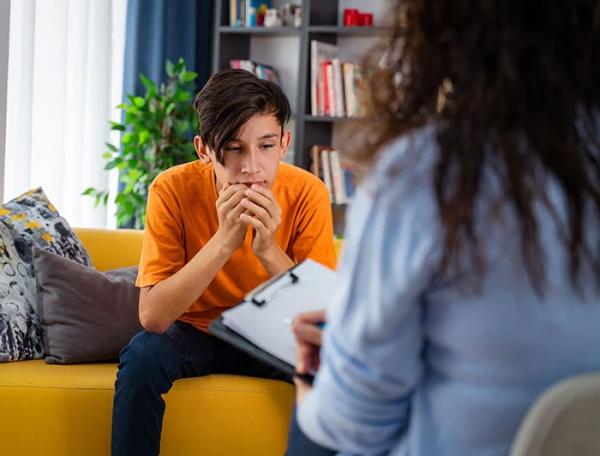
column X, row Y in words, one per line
column 170, row 298
column 275, row 260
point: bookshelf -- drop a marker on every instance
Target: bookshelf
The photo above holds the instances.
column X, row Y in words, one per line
column 288, row 49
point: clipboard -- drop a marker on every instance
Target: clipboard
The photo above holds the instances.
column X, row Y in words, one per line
column 218, row 329
column 286, row 278
column 258, row 326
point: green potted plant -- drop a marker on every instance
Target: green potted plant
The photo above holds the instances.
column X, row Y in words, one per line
column 156, row 134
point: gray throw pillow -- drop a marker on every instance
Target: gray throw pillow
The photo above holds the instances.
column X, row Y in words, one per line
column 85, row 315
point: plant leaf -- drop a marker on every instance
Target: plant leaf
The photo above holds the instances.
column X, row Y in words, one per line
column 117, row 126
column 127, row 137
column 170, row 68
column 188, row 76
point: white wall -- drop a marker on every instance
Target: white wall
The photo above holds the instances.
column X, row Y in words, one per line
column 4, row 34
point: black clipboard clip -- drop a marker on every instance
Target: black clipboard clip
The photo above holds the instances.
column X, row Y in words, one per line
column 256, row 295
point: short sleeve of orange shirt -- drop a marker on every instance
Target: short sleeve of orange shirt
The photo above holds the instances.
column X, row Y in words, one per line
column 181, row 218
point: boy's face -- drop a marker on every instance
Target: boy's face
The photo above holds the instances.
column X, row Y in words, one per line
column 253, row 157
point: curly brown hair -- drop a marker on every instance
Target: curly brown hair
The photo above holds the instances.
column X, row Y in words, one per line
column 521, row 83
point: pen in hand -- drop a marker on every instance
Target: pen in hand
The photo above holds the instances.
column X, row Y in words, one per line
column 288, row 321
column 308, row 330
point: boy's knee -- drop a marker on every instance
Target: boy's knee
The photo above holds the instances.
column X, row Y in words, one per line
column 145, row 355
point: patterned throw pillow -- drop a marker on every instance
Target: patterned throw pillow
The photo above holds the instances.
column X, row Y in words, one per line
column 28, row 220
column 20, row 333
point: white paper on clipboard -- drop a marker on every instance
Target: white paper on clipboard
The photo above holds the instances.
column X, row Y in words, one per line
column 264, row 316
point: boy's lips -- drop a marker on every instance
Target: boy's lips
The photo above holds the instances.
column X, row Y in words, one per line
column 250, row 184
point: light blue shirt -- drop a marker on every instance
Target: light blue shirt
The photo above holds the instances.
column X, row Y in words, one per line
column 413, row 366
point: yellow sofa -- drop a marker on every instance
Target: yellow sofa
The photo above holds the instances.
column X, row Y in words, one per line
column 66, row 410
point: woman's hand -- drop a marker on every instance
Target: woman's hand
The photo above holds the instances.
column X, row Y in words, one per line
column 308, row 333
column 307, row 330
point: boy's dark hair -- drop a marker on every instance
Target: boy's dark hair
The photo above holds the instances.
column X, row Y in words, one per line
column 229, row 99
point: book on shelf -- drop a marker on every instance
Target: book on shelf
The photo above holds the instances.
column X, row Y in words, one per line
column 349, row 93
column 329, row 90
column 261, row 70
column 320, row 55
column 362, row 106
column 338, row 89
column 334, row 172
column 327, row 178
column 337, row 178
column 246, row 13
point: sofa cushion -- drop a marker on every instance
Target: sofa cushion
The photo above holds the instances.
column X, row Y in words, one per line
column 29, row 219
column 85, row 315
column 70, row 409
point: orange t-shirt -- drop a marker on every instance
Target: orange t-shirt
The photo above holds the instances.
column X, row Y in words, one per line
column 181, row 217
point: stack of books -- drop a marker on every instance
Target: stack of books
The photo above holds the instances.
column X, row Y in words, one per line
column 244, row 13
column 259, row 69
column 335, row 172
column 338, row 89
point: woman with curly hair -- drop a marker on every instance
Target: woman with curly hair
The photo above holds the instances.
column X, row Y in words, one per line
column 469, row 280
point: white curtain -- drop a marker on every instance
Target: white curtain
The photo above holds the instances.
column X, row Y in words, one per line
column 64, row 80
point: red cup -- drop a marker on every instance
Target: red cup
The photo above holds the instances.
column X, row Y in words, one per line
column 365, row 19
column 351, row 17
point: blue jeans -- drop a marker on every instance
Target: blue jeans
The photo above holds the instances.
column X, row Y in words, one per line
column 149, row 365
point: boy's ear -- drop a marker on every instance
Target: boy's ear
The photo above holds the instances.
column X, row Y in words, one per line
column 286, row 138
column 201, row 149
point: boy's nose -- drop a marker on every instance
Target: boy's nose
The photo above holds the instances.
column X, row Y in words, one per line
column 250, row 164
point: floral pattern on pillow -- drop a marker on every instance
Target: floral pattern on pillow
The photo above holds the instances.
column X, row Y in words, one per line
column 20, row 332
column 28, row 220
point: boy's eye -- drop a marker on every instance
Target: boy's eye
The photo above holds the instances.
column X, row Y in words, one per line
column 233, row 149
column 267, row 146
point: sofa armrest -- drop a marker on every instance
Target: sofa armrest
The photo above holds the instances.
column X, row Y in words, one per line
column 111, row 249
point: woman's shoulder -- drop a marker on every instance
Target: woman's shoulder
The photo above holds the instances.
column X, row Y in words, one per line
column 396, row 200
column 403, row 170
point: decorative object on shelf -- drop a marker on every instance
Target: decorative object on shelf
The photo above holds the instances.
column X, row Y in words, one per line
column 291, row 15
column 262, row 11
column 354, row 18
column 351, row 17
column 156, row 134
column 272, row 18
column 252, row 22
column 298, row 17
column 365, row 19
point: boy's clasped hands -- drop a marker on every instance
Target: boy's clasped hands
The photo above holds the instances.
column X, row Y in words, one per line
column 240, row 206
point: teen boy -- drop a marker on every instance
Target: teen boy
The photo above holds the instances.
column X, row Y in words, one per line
column 215, row 229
